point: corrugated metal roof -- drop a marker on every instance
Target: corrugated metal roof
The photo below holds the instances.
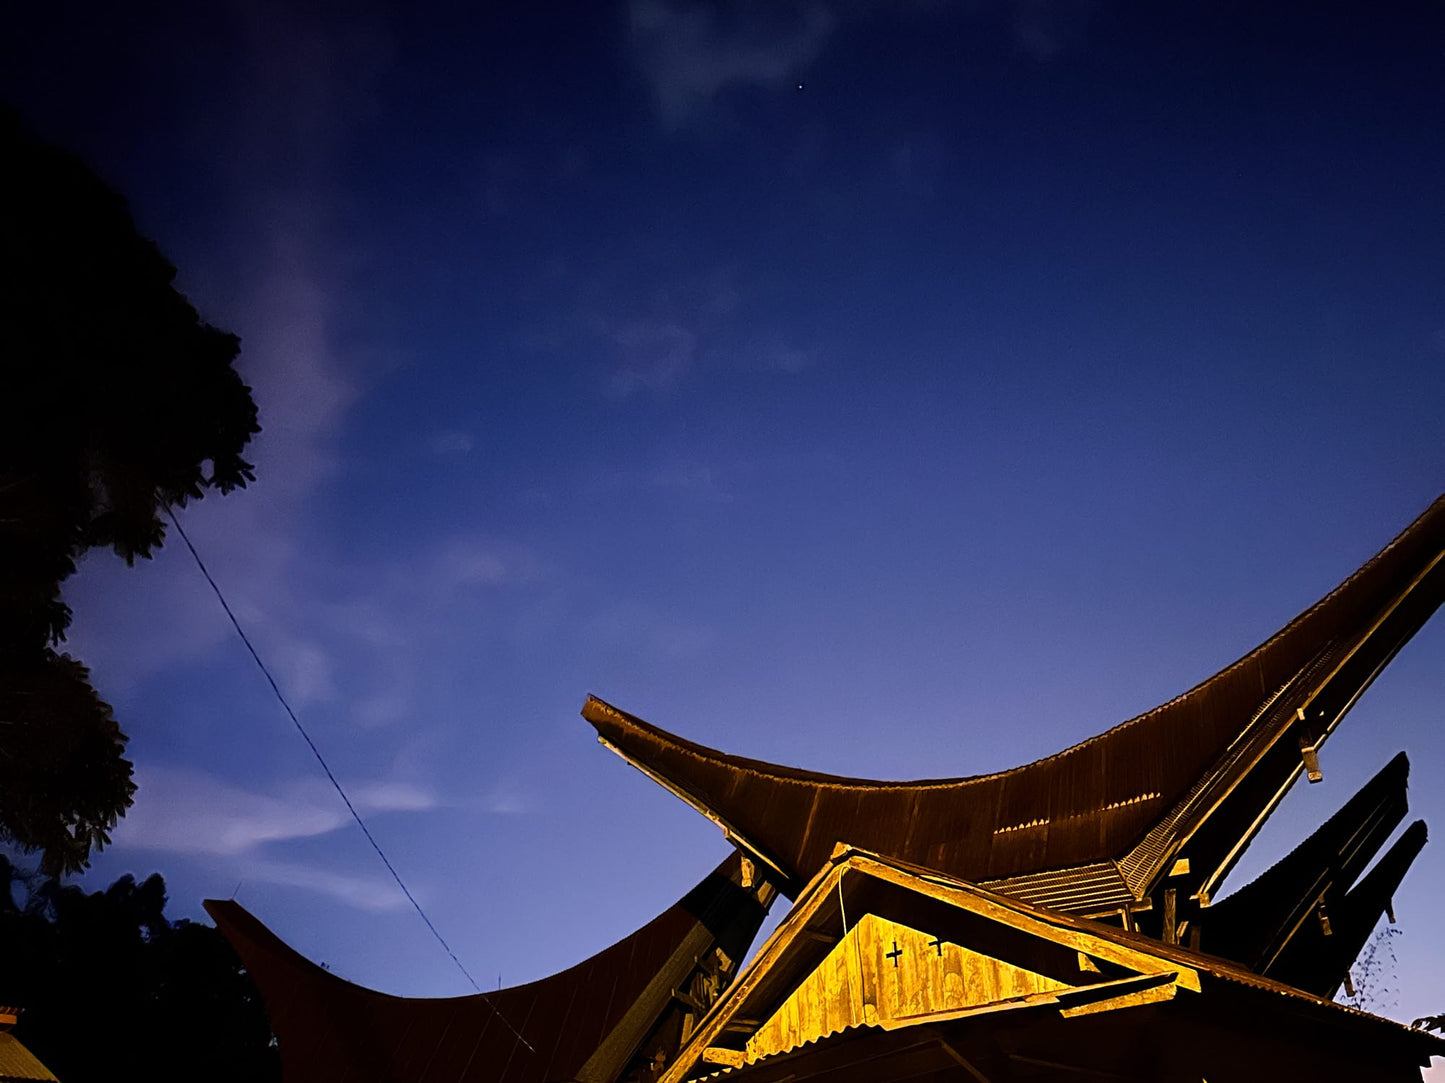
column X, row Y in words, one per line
column 1203, row 962
column 1133, row 794
column 870, row 883
column 18, row 1064
column 1089, row 889
column 1032, row 1044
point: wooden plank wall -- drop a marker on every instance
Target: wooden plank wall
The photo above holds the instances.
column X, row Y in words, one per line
column 884, row 972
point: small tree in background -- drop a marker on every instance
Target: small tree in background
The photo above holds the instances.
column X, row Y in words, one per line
column 1375, row 974
column 112, row 990
column 116, row 399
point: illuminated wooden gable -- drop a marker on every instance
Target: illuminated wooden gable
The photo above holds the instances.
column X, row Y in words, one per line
column 884, row 971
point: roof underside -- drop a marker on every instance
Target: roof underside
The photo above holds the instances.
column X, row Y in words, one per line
column 1130, row 796
column 1236, row 1035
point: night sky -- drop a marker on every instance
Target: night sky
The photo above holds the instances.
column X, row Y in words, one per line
column 891, row 389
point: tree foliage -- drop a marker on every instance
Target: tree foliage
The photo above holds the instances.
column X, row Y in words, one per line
column 112, row 990
column 116, row 400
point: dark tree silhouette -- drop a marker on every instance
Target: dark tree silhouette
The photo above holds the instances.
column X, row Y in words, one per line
column 112, row 990
column 115, row 400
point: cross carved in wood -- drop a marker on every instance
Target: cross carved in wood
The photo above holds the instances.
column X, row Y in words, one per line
column 894, row 954
column 937, row 943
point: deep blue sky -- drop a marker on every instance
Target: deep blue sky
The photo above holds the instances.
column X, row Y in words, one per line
column 1031, row 362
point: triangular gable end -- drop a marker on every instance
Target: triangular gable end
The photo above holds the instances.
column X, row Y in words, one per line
column 871, row 945
column 883, row 973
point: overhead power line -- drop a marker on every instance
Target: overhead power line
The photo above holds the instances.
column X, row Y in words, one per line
column 340, row 790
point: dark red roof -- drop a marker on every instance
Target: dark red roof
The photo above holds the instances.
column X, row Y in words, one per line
column 585, row 1023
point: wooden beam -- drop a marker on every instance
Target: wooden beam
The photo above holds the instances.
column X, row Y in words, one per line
column 729, row 832
column 744, row 1026
column 1311, row 756
column 1064, row 932
column 1152, row 995
column 688, row 999
column 733, row 1058
column 963, row 1062
column 1058, row 1066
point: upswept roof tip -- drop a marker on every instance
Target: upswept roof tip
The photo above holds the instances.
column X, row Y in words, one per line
column 1102, row 799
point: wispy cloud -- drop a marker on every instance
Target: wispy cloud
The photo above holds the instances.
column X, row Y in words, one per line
column 1045, row 28
column 786, row 358
column 679, row 477
column 285, row 298
column 384, row 634
column 306, row 672
column 691, row 51
column 646, row 631
column 373, row 893
column 694, row 478
column 657, row 329
column 508, row 798
column 652, row 356
column 190, row 812
column 451, row 442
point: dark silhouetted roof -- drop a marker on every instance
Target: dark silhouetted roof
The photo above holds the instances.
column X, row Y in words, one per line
column 1317, row 962
column 1254, row 925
